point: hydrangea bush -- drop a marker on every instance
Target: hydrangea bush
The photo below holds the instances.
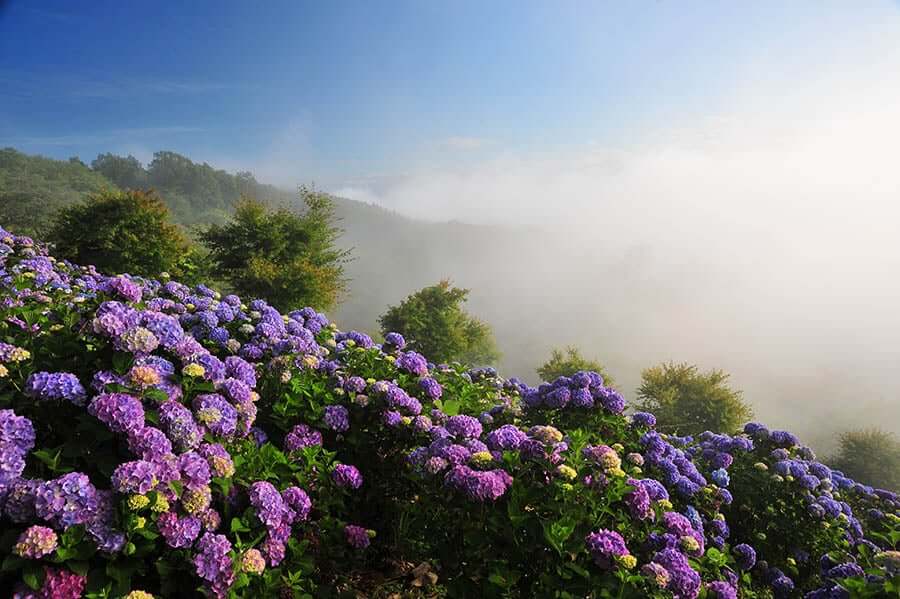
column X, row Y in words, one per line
column 162, row 440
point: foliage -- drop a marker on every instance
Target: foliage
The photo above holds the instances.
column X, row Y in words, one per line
column 688, row 401
column 569, row 361
column 32, row 188
column 169, row 440
column 870, row 456
column 433, row 321
column 290, row 258
column 122, row 231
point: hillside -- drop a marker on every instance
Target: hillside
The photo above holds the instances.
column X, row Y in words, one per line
column 623, row 303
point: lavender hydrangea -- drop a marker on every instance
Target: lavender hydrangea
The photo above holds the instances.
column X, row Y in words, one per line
column 120, row 412
column 347, row 476
column 337, row 418
column 605, row 546
column 357, row 536
column 302, row 436
column 47, row 386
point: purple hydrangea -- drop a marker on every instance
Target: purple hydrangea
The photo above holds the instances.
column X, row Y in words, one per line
column 431, row 387
column 135, row 477
column 479, row 485
column 238, row 368
column 120, row 412
column 337, row 418
column 218, row 459
column 194, row 470
column 269, row 505
column 605, row 546
column 357, row 536
column 684, row 581
column 149, row 443
column 394, row 341
column 464, row 427
column 355, row 384
column 213, row 564
column 16, row 431
column 297, row 499
column 721, row 590
column 347, row 476
column 638, row 501
column 46, row 386
column 66, row 501
column 214, row 412
column 179, row 533
column 413, row 363
column 178, row 423
column 301, row 436
column 507, row 437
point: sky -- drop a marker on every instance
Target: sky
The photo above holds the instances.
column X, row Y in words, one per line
column 361, row 96
column 718, row 182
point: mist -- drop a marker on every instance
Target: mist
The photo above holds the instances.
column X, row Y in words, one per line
column 763, row 239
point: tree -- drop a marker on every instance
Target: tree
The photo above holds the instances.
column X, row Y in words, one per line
column 121, row 231
column 687, row 401
column 569, row 361
column 125, row 172
column 290, row 259
column 435, row 325
column 33, row 188
column 871, row 457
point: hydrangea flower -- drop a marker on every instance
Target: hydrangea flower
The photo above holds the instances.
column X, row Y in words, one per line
column 36, row 542
column 337, row 418
column 347, row 476
column 605, row 546
column 47, row 386
column 357, row 536
column 213, row 564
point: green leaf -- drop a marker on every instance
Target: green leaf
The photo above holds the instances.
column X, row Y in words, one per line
column 79, row 567
column 237, row 525
column 33, row 575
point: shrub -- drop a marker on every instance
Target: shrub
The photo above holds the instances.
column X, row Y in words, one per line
column 433, row 322
column 289, row 258
column 157, row 438
column 688, row 401
column 121, row 231
column 568, row 363
column 871, row 457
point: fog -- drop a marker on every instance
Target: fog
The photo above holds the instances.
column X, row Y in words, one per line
column 762, row 238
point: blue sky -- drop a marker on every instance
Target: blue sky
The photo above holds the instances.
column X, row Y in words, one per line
column 337, row 91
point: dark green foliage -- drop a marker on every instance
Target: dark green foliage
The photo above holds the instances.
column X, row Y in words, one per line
column 121, row 231
column 32, row 188
column 871, row 457
column 688, row 402
column 569, row 361
column 434, row 324
column 287, row 257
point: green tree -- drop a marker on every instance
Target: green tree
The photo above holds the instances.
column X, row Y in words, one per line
column 33, row 188
column 435, row 325
column 125, row 172
column 687, row 401
column 121, row 231
column 290, row 259
column 871, row 457
column 569, row 361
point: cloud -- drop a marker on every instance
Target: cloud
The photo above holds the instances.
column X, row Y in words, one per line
column 760, row 237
